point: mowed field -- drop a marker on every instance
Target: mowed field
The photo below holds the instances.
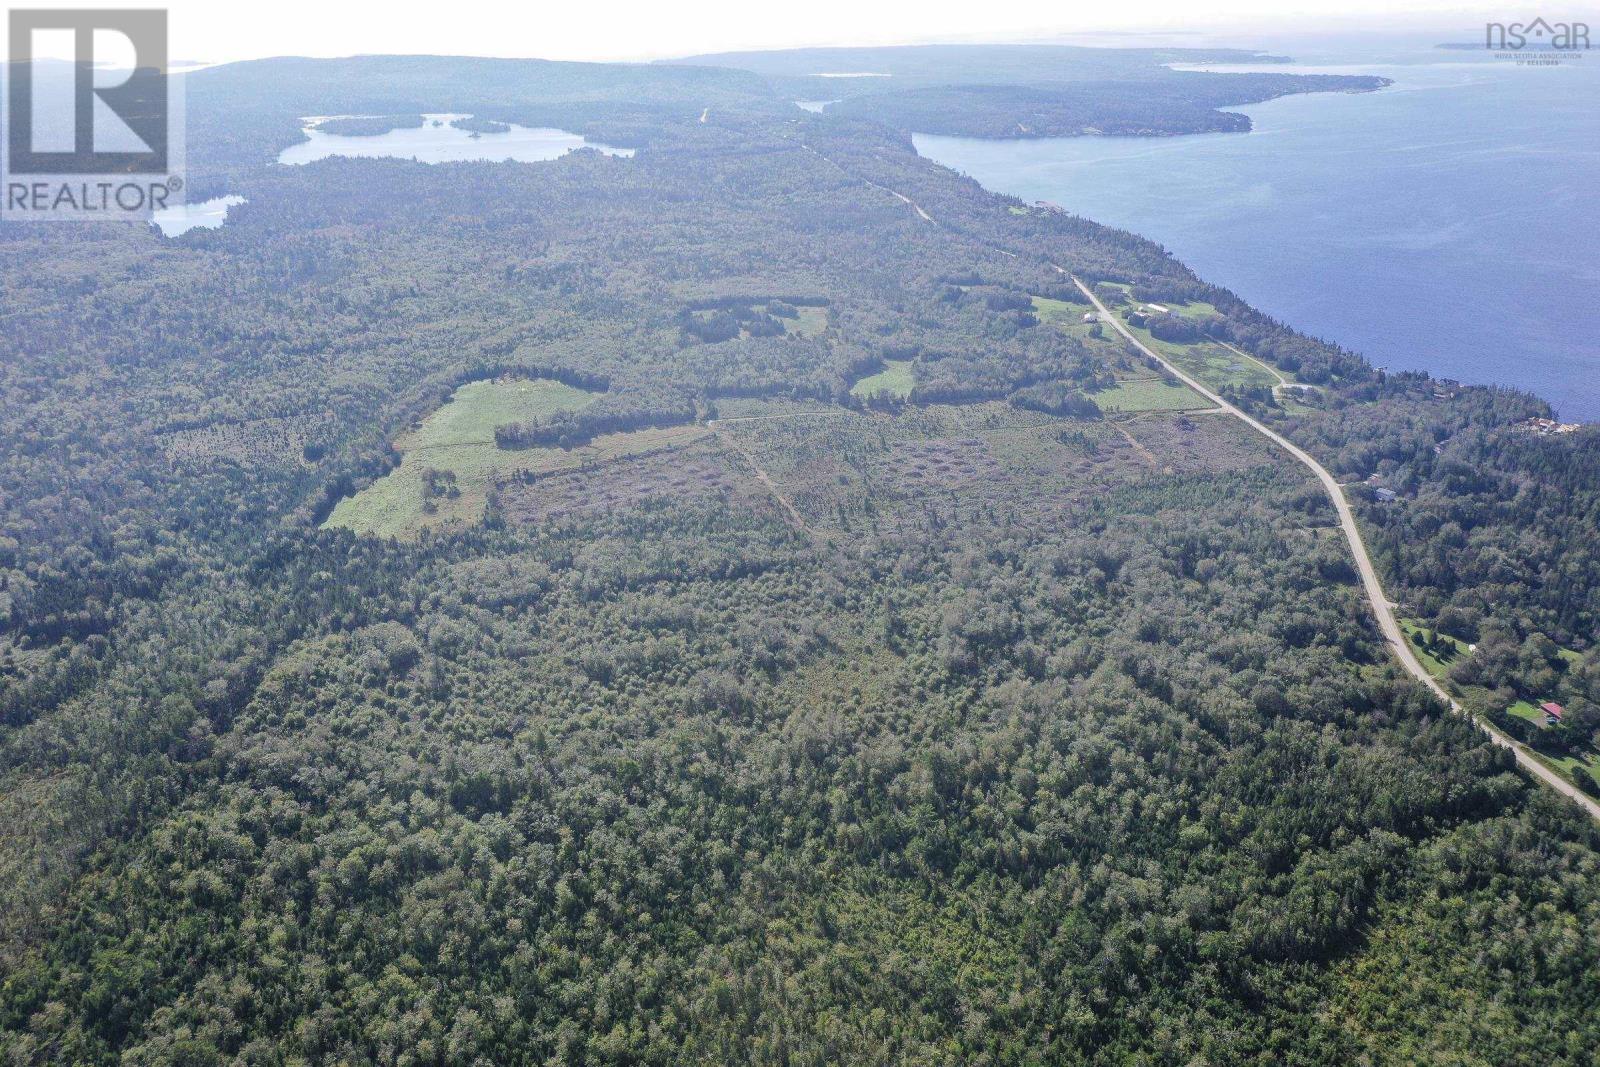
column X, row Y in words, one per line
column 455, row 450
column 1211, row 363
column 810, row 322
column 1449, row 650
column 1149, row 394
column 895, row 379
column 1059, row 312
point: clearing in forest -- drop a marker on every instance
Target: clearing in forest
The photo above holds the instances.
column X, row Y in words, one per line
column 858, row 472
column 1438, row 651
column 1213, row 364
column 895, row 379
column 451, row 460
column 1152, row 394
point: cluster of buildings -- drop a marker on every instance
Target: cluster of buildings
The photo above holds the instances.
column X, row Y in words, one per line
column 1547, row 427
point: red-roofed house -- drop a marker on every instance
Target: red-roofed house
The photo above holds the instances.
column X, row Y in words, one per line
column 1552, row 711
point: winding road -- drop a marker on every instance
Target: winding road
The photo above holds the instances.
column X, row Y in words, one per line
column 1382, row 608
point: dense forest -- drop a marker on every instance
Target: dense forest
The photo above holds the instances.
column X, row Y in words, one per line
column 983, row 725
column 1117, row 108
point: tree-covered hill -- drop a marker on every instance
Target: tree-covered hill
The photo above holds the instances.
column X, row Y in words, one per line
column 1030, row 90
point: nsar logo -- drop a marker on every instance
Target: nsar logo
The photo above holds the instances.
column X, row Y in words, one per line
column 1539, row 43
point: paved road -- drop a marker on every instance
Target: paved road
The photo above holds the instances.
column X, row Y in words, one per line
column 1381, row 606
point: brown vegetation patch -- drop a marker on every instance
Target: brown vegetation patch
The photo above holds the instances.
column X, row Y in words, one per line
column 275, row 441
column 694, row 473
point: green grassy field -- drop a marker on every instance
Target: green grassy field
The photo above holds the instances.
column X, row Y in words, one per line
column 1149, row 395
column 1450, row 652
column 1059, row 312
column 812, row 321
column 458, row 440
column 1215, row 364
column 895, row 379
column 1583, row 762
column 1194, row 309
column 1589, row 763
column 478, row 407
column 1523, row 709
column 1211, row 363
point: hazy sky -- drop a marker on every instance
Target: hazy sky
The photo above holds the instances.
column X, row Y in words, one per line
column 218, row 30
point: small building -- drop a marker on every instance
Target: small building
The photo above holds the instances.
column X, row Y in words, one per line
column 1552, row 712
column 1385, row 495
column 1091, row 317
column 1157, row 308
column 1546, row 427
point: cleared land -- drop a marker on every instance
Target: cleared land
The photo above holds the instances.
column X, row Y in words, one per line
column 864, row 471
column 1067, row 316
column 274, row 441
column 1583, row 761
column 895, row 379
column 1217, row 365
column 808, row 323
column 1194, row 309
column 1523, row 709
column 1446, row 651
column 451, row 460
column 695, row 472
column 1151, row 394
column 1211, row 363
column 1059, row 312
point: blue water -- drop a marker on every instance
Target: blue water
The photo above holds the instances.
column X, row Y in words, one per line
column 436, row 141
column 1450, row 223
column 206, row 215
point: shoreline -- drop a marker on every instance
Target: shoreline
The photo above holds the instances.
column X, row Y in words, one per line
column 1428, row 292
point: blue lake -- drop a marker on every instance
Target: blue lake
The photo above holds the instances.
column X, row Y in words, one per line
column 436, row 141
column 1450, row 223
column 205, row 215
